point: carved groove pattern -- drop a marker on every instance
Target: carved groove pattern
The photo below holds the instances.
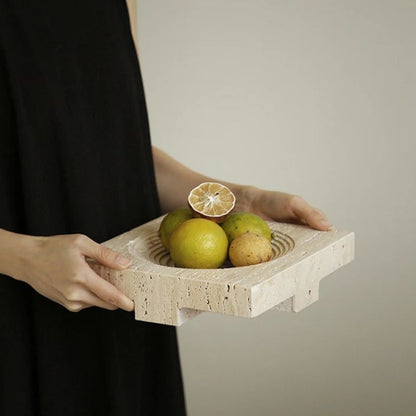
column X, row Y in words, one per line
column 157, row 254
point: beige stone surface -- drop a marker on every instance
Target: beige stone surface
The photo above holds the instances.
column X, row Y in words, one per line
column 169, row 295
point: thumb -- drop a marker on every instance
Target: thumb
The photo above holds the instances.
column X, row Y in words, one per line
column 310, row 215
column 104, row 255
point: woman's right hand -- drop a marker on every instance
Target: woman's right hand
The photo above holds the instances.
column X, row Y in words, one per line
column 56, row 267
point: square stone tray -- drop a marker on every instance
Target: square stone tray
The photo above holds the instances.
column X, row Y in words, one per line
column 171, row 295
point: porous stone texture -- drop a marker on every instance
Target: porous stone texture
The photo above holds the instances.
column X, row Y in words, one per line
column 171, row 295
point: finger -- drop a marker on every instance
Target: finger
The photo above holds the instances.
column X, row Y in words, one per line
column 314, row 217
column 107, row 292
column 103, row 255
column 89, row 299
column 75, row 300
column 74, row 306
column 79, row 306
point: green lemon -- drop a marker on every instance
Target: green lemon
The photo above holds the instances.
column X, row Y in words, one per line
column 171, row 221
column 198, row 244
column 245, row 222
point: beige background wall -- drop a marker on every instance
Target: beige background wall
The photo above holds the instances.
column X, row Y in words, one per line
column 315, row 98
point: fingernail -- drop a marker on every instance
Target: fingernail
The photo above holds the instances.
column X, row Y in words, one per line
column 129, row 305
column 331, row 228
column 326, row 224
column 123, row 261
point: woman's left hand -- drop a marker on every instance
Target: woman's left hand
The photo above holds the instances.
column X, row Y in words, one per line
column 279, row 206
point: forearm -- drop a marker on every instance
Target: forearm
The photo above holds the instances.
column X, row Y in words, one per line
column 12, row 249
column 174, row 181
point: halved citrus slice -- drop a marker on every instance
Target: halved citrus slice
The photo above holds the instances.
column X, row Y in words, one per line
column 211, row 200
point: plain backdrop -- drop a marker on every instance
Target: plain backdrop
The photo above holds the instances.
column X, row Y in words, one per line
column 315, row 98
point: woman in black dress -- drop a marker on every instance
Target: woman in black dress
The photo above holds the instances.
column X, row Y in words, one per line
column 77, row 168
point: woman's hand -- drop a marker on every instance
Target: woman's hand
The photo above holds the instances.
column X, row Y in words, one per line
column 279, row 206
column 56, row 267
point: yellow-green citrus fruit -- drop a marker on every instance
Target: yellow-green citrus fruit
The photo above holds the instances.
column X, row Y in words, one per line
column 198, row 243
column 249, row 248
column 245, row 222
column 171, row 221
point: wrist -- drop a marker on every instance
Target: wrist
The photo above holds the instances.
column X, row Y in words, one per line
column 16, row 249
column 246, row 196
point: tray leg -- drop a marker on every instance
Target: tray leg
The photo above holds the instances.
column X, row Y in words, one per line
column 306, row 294
column 156, row 300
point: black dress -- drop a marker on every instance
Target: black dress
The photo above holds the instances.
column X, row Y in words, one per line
column 75, row 157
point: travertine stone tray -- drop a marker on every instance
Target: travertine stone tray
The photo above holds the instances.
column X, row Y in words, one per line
column 169, row 295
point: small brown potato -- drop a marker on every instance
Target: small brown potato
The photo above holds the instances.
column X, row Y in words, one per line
column 249, row 248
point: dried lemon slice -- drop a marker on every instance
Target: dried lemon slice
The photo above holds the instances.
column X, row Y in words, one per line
column 211, row 200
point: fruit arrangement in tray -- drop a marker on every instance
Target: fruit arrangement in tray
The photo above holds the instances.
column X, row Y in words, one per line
column 204, row 281
column 207, row 232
